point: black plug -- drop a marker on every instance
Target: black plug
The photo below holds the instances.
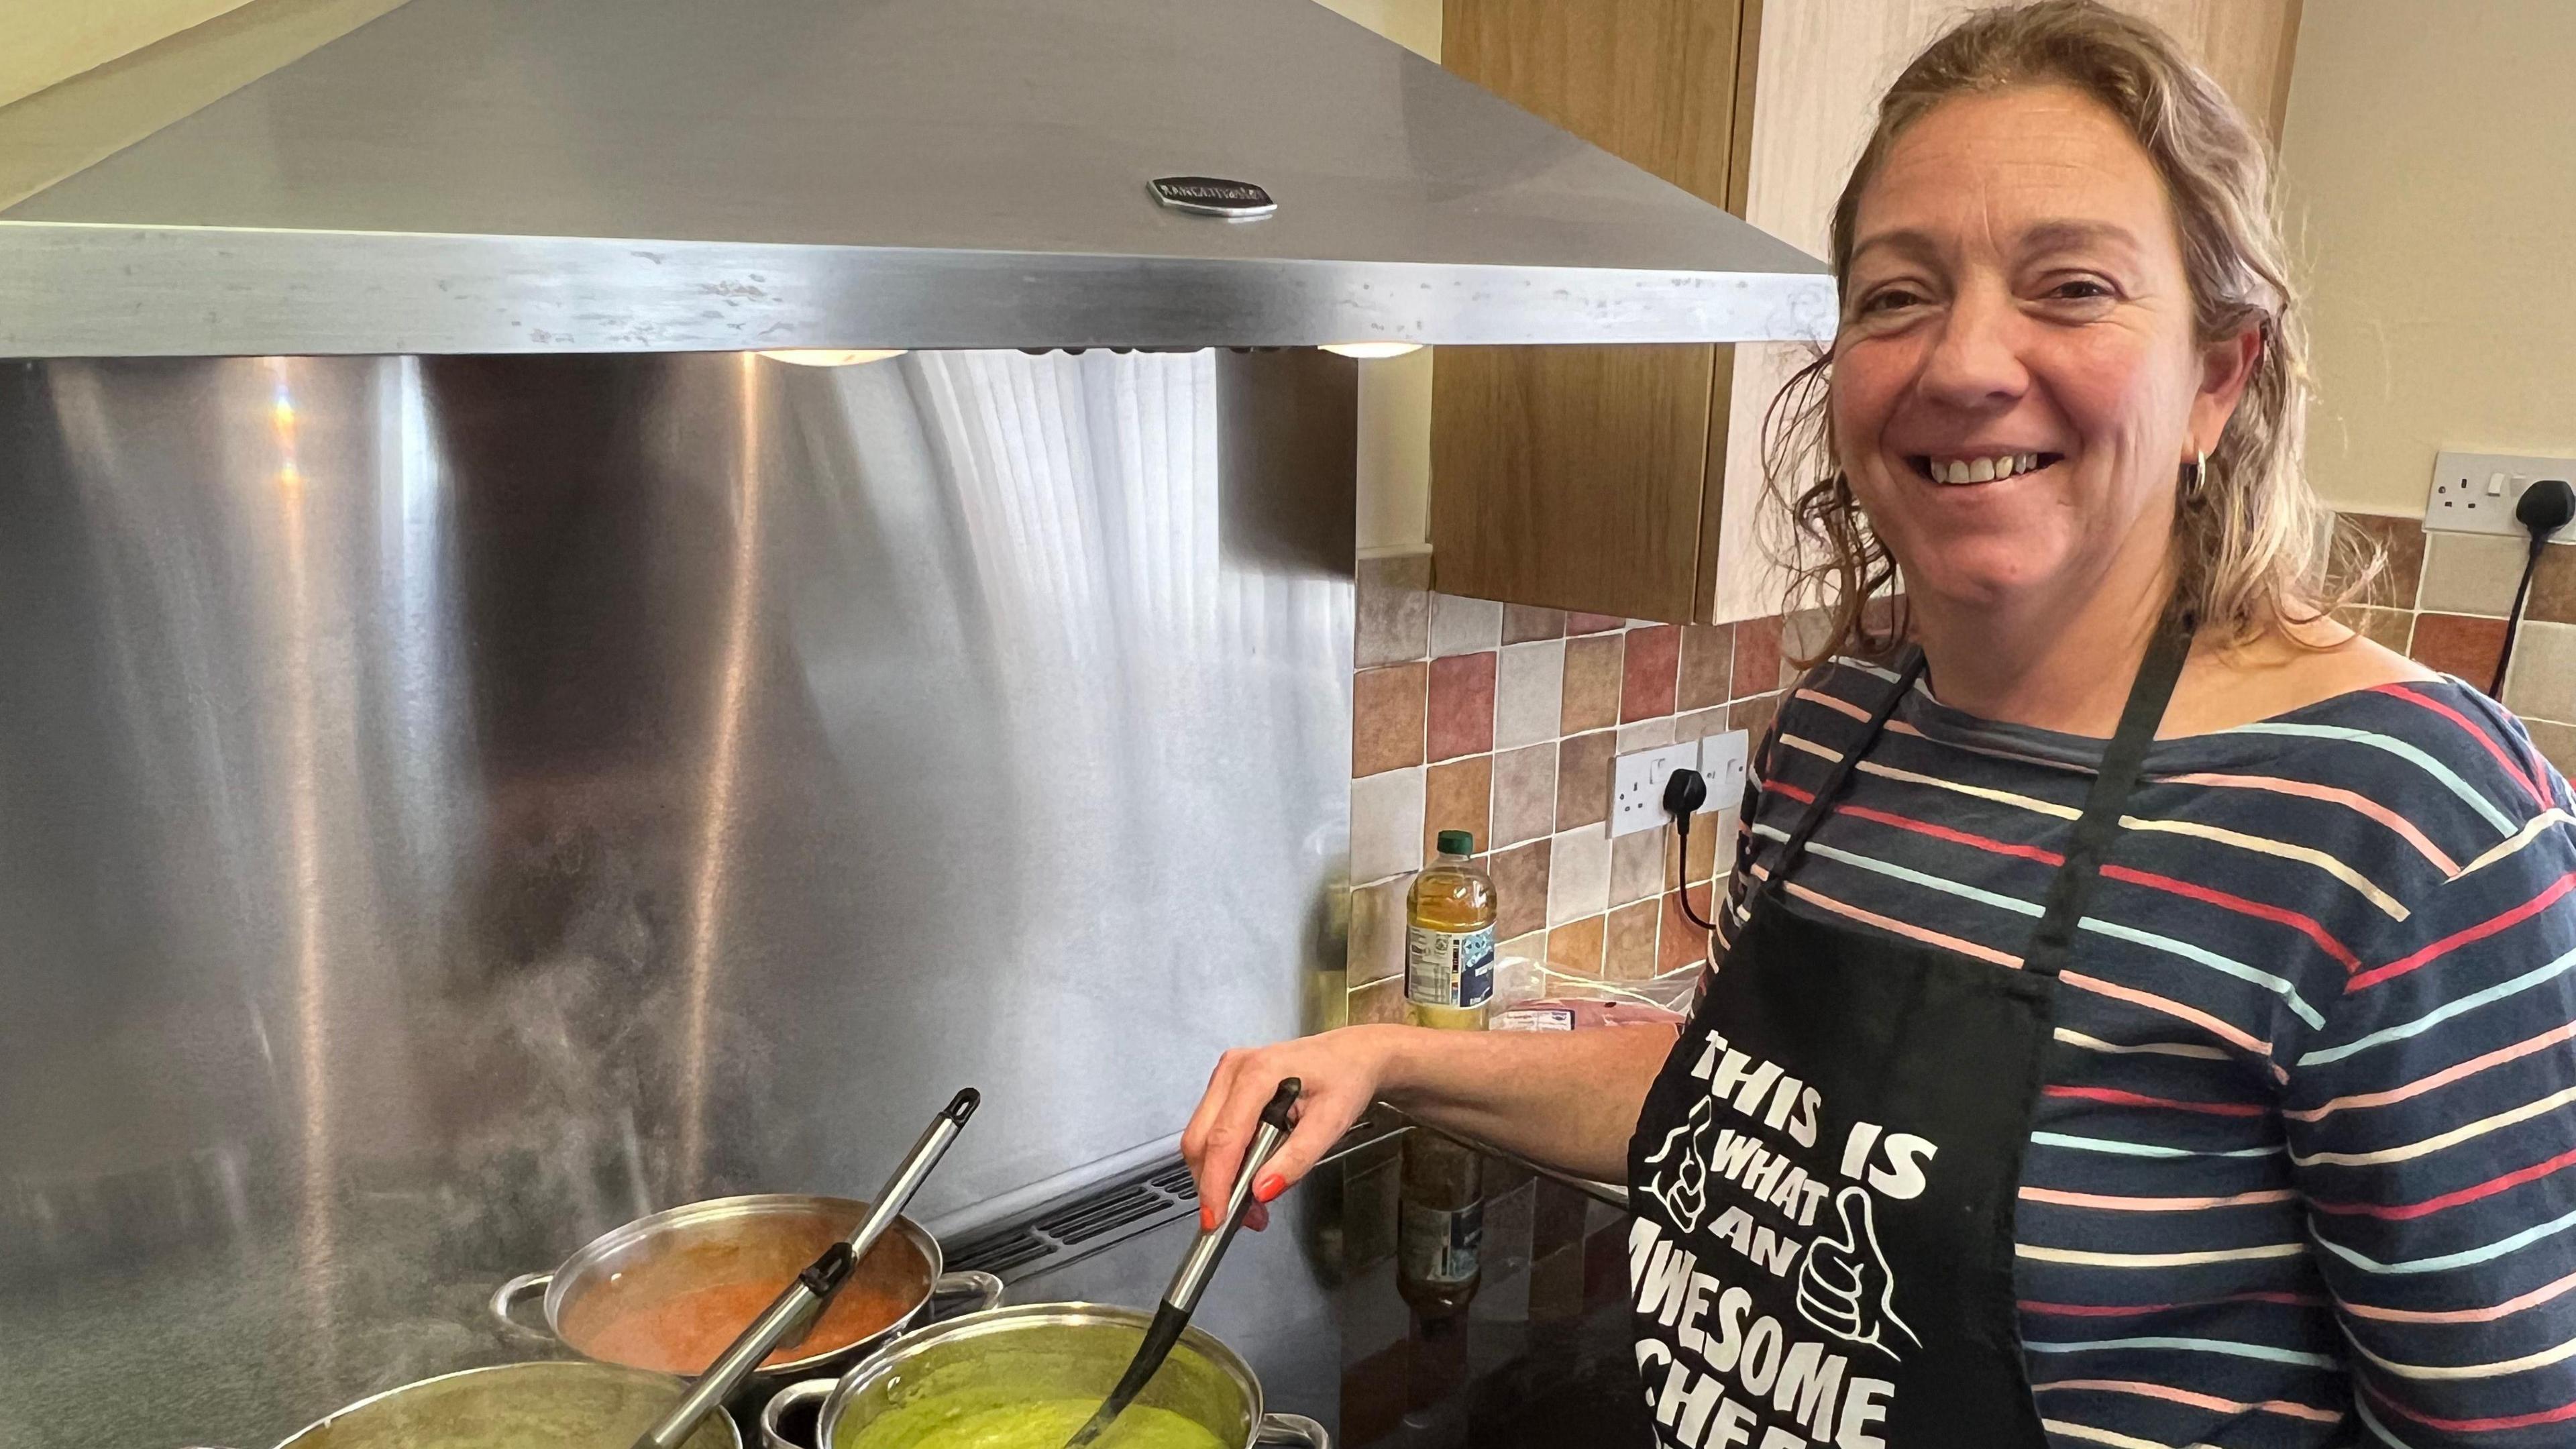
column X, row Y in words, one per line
column 1684, row 792
column 2544, row 508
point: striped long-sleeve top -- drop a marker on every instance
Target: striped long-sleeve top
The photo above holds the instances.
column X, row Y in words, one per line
column 2303, row 1171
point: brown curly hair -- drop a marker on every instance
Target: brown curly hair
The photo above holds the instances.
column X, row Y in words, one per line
column 2258, row 550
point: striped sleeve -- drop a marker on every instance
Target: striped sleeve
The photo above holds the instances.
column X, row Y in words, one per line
column 2431, row 1125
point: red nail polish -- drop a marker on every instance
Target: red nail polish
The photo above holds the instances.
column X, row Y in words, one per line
column 1207, row 1217
column 1269, row 1187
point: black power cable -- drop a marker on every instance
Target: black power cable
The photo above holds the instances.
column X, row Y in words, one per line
column 2544, row 508
column 1684, row 792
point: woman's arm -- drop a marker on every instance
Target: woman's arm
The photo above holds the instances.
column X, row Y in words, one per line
column 1566, row 1100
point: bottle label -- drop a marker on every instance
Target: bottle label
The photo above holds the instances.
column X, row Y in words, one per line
column 1439, row 1245
column 1449, row 968
column 1535, row 1018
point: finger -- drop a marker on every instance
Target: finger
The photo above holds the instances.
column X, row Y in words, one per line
column 1222, row 1146
column 1321, row 1119
column 1851, row 1208
column 1256, row 1217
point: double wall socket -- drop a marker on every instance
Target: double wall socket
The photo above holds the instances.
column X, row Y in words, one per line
column 1637, row 779
column 2476, row 492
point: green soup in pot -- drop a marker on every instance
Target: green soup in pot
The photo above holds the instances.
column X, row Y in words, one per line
column 982, row 1421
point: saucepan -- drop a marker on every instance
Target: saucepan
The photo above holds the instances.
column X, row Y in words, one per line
column 1030, row 1356
column 513, row 1406
column 668, row 1292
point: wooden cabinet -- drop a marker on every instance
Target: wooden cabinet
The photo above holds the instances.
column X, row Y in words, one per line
column 1575, row 476
column 1626, row 480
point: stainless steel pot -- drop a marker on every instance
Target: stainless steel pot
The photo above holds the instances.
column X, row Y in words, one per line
column 1042, row 1351
column 564, row 1405
column 732, row 1239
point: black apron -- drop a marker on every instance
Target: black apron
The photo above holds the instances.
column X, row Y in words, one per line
column 1825, row 1171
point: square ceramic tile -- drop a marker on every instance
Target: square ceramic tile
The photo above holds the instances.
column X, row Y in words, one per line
column 1756, row 666
column 2543, row 684
column 1628, row 954
column 1529, row 693
column 2470, row 573
column 1578, row 623
column 1647, row 674
column 1802, row 634
column 1463, row 626
column 1578, row 874
column 1680, row 943
column 1700, row 724
column 1386, row 824
column 1637, row 868
column 1377, row 931
column 2388, row 628
column 1708, row 666
column 1712, row 831
column 2401, row 545
column 1458, row 795
column 2553, row 588
column 1520, row 888
column 1574, row 948
column 1753, row 716
column 1394, row 596
column 1524, row 794
column 1387, row 707
column 1461, row 707
column 1380, row 1003
column 1592, row 681
column 2459, row 644
column 1645, row 734
column 2557, row 743
column 1583, row 779
column 1521, row 623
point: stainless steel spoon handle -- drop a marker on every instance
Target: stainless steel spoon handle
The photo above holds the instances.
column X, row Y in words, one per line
column 1199, row 1264
column 791, row 1315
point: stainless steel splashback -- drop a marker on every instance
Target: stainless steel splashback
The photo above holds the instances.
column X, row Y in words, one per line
column 456, row 805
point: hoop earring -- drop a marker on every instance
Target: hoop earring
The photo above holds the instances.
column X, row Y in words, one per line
column 2195, row 481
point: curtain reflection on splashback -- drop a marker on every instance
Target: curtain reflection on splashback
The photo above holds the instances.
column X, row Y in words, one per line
column 455, row 806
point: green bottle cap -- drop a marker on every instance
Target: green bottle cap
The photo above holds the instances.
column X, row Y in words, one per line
column 1457, row 842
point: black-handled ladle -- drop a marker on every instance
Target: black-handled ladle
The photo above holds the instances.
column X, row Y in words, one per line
column 1197, row 1266
column 790, row 1316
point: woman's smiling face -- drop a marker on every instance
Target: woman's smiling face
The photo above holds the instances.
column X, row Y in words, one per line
column 2017, row 381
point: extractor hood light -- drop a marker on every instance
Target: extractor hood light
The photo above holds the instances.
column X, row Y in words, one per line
column 825, row 357
column 1369, row 350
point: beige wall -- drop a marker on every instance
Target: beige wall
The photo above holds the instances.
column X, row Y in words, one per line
column 2429, row 163
column 1395, row 394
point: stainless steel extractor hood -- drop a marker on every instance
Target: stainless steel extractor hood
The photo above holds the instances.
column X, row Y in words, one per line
column 685, row 175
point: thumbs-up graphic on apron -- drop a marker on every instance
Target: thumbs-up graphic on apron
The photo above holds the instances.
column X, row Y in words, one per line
column 1844, row 1286
column 1680, row 1161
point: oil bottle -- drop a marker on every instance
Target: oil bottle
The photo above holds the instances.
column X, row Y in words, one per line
column 1440, row 1230
column 1449, row 939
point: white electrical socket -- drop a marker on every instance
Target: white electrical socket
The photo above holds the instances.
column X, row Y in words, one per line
column 2476, row 492
column 1721, row 759
column 1637, row 785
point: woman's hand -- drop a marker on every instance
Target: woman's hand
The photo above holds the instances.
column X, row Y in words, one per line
column 1342, row 1073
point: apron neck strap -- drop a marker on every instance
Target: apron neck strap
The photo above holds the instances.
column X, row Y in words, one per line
column 2052, row 944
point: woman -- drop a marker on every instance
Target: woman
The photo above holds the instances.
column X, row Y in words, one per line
column 2143, row 1010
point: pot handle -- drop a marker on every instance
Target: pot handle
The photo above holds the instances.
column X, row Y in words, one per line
column 974, row 1283
column 773, row 1437
column 1291, row 1429
column 506, row 1298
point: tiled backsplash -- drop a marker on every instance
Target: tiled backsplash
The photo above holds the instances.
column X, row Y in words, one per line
column 1503, row 721
column 2443, row 601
